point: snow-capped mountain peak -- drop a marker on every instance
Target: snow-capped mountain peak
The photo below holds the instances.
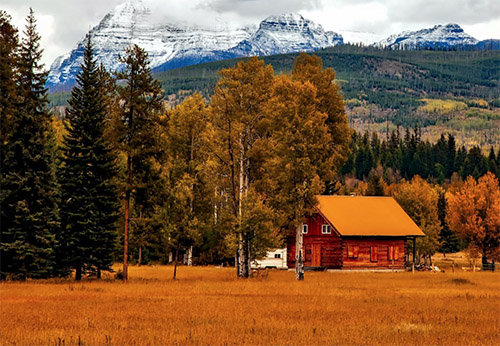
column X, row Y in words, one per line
column 287, row 33
column 439, row 36
column 175, row 45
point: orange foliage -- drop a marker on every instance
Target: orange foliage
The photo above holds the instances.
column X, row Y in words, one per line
column 474, row 213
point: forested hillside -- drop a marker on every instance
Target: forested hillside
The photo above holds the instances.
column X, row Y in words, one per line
column 441, row 91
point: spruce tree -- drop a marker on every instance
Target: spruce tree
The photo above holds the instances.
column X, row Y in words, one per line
column 8, row 59
column 29, row 199
column 136, row 136
column 89, row 211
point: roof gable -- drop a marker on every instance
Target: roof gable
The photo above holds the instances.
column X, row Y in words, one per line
column 367, row 216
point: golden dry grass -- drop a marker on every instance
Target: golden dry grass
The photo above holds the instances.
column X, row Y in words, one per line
column 208, row 306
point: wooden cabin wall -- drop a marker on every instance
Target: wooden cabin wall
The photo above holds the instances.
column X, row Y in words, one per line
column 320, row 250
column 364, row 248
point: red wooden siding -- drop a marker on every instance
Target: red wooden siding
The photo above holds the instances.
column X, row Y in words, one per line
column 374, row 252
column 320, row 250
column 335, row 252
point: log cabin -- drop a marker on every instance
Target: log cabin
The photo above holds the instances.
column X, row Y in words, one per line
column 350, row 232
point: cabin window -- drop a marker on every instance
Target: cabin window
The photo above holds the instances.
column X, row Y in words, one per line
column 352, row 251
column 304, row 229
column 325, row 229
column 374, row 254
column 277, row 255
column 393, row 252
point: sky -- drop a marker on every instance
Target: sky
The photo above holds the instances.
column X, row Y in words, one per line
column 62, row 23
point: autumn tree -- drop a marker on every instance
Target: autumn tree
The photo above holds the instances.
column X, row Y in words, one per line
column 29, row 198
column 89, row 211
column 474, row 214
column 136, row 136
column 237, row 122
column 302, row 155
column 189, row 201
column 419, row 200
column 308, row 143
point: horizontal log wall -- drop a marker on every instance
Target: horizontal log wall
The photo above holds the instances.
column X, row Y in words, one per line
column 364, row 259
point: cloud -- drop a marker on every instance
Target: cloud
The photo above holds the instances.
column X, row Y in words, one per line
column 62, row 23
column 444, row 11
column 260, row 8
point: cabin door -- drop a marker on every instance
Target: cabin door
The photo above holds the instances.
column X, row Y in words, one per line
column 316, row 255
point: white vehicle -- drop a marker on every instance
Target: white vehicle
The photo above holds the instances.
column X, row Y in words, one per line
column 274, row 259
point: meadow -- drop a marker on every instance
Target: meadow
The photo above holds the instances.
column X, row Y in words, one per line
column 210, row 306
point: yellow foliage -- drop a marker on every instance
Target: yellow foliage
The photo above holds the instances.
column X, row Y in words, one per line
column 442, row 107
column 209, row 306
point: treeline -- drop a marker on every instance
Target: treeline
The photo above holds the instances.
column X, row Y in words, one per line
column 394, row 79
column 398, row 156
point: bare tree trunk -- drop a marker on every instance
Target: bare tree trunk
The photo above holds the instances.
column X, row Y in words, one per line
column 299, row 256
column 125, row 239
column 78, row 272
column 241, row 239
column 190, row 256
column 99, row 274
column 139, row 261
column 175, row 260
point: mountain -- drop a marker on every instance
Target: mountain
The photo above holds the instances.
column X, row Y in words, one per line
column 132, row 23
column 438, row 37
column 176, row 45
column 288, row 33
column 490, row 44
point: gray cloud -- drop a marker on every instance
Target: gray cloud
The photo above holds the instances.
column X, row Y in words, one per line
column 444, row 11
column 260, row 8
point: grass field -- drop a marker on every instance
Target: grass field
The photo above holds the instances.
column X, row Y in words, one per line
column 209, row 306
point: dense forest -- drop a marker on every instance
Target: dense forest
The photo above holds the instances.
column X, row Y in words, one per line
column 439, row 91
column 217, row 179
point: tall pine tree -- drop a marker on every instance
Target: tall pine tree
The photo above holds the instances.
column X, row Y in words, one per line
column 29, row 199
column 136, row 134
column 89, row 208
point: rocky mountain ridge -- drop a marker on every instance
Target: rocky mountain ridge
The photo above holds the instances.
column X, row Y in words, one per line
column 176, row 45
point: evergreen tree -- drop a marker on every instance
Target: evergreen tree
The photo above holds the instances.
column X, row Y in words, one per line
column 89, row 211
column 136, row 135
column 8, row 65
column 493, row 163
column 29, row 199
column 375, row 186
column 448, row 239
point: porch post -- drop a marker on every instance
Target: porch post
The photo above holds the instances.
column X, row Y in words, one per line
column 413, row 262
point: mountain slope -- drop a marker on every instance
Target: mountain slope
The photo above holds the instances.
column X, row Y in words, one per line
column 170, row 46
column 131, row 23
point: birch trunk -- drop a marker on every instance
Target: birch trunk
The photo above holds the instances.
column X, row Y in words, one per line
column 299, row 256
column 175, row 260
column 242, row 260
column 190, row 256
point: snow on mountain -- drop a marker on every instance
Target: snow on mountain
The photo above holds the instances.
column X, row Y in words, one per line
column 286, row 34
column 131, row 23
column 170, row 46
column 440, row 36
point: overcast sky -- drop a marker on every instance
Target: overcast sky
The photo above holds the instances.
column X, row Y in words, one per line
column 62, row 23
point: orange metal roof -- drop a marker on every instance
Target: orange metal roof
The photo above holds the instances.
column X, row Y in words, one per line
column 367, row 216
